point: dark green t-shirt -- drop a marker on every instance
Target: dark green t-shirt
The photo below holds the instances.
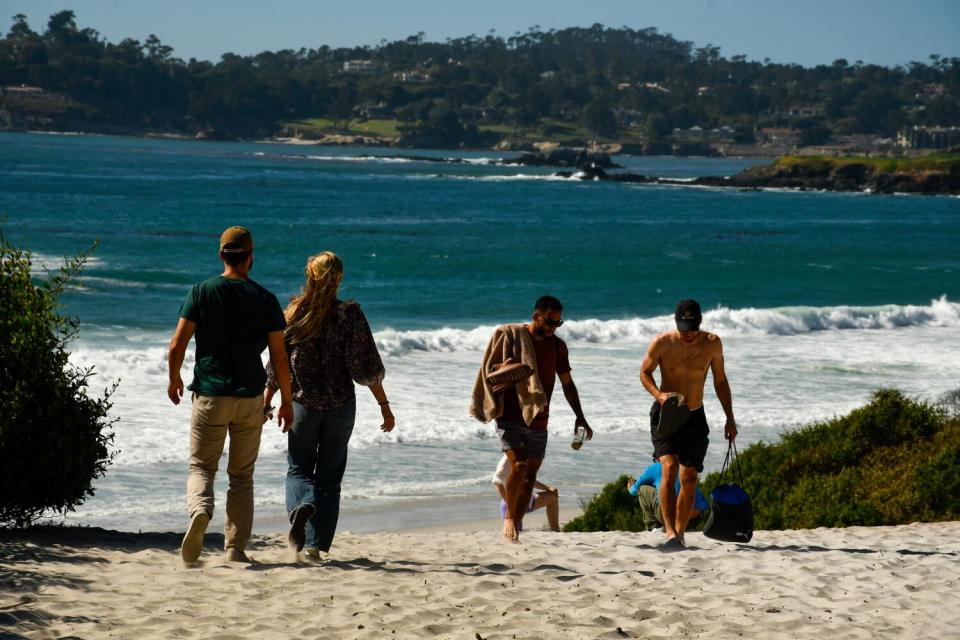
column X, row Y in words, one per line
column 233, row 319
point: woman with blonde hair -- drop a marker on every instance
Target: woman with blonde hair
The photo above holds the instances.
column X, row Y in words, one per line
column 330, row 347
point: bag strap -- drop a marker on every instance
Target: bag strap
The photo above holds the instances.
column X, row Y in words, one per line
column 726, row 464
column 731, row 462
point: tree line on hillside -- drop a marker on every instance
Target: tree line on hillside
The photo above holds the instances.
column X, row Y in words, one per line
column 603, row 79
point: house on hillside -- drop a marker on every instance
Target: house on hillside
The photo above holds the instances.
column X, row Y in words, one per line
column 928, row 137
column 797, row 111
column 693, row 134
column 930, row 91
column 778, row 136
column 359, row 67
column 654, row 86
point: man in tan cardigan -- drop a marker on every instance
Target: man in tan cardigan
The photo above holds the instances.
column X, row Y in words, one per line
column 522, row 411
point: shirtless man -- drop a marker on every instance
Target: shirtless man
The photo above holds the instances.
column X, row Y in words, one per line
column 684, row 357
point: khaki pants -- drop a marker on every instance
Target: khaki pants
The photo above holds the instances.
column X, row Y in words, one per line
column 211, row 420
column 650, row 506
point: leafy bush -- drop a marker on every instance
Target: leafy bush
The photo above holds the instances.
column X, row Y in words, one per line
column 893, row 461
column 54, row 436
column 614, row 509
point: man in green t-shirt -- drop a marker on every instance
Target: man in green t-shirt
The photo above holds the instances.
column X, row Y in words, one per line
column 234, row 319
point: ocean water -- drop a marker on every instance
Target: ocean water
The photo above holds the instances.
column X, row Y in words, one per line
column 820, row 300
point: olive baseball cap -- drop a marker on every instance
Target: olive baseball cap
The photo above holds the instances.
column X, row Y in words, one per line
column 688, row 315
column 236, row 240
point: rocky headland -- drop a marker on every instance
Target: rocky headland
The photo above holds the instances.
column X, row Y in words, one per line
column 935, row 174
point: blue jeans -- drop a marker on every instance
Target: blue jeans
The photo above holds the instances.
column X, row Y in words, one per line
column 316, row 460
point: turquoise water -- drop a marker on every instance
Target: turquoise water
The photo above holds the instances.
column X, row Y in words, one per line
column 820, row 298
column 432, row 245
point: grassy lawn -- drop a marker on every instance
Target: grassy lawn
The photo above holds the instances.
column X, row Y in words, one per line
column 931, row 162
column 382, row 128
column 547, row 130
column 557, row 131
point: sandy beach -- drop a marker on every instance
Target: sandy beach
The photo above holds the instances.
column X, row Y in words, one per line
column 889, row 582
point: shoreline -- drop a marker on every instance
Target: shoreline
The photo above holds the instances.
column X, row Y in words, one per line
column 852, row 174
column 859, row 582
column 280, row 140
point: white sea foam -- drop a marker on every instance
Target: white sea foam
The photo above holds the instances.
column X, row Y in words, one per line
column 781, row 321
column 788, row 366
column 793, row 320
column 41, row 263
column 542, row 177
column 389, row 159
column 126, row 284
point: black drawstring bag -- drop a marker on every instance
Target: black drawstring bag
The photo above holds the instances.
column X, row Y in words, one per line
column 731, row 514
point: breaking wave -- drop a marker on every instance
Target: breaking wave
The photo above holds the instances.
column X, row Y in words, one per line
column 781, row 321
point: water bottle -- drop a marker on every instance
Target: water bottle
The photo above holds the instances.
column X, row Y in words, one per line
column 579, row 435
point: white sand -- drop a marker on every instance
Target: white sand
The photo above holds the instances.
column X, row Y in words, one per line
column 890, row 582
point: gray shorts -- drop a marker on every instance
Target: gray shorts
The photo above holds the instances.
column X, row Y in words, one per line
column 526, row 442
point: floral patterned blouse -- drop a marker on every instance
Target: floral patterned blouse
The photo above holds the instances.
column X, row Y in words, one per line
column 325, row 367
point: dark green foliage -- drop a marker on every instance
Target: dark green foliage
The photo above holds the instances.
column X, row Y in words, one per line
column 939, row 490
column 598, row 118
column 54, row 437
column 580, row 74
column 614, row 509
column 893, row 461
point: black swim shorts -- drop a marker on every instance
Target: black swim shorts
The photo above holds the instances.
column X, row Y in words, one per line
column 527, row 442
column 689, row 442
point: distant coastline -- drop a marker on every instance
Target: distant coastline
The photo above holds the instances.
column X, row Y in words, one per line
column 935, row 174
column 927, row 174
column 612, row 147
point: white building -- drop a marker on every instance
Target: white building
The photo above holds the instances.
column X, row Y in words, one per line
column 362, row 67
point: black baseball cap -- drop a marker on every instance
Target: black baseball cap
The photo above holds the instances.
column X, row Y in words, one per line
column 688, row 315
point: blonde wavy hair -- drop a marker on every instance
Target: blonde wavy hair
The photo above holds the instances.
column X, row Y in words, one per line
column 309, row 310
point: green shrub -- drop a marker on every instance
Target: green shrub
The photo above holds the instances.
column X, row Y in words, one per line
column 613, row 509
column 938, row 477
column 893, row 461
column 54, row 437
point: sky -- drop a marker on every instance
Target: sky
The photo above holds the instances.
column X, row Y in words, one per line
column 806, row 32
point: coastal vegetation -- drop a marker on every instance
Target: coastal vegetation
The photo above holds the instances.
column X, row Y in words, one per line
column 579, row 83
column 54, row 435
column 894, row 461
column 947, row 162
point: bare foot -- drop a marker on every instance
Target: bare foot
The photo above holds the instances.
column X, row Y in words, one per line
column 510, row 533
column 673, row 543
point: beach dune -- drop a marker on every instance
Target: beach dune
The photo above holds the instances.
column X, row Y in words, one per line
column 860, row 582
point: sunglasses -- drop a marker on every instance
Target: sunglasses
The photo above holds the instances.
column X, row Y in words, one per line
column 550, row 322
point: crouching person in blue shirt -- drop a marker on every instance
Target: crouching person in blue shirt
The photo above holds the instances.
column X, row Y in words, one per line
column 647, row 490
